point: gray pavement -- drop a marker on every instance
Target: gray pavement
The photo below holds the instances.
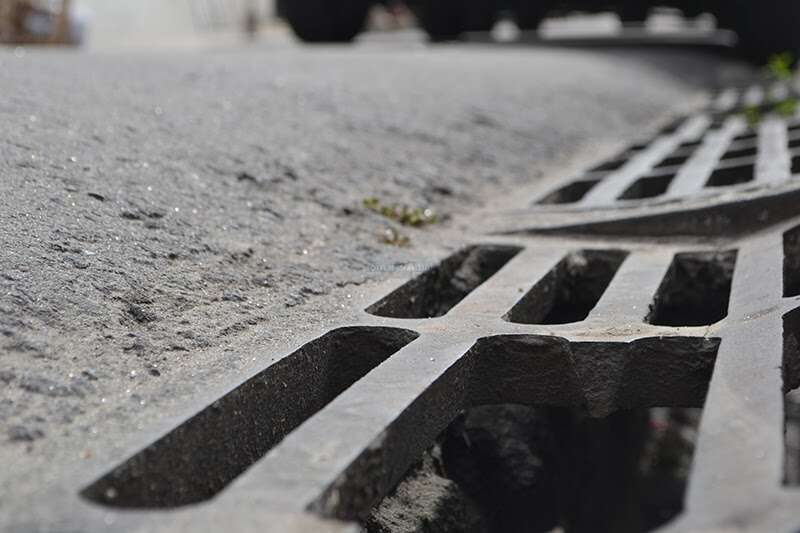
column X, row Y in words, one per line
column 169, row 216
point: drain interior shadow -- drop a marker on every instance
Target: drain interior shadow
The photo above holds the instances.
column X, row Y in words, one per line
column 695, row 291
column 732, row 175
column 791, row 262
column 791, row 390
column 570, row 193
column 438, row 290
column 570, row 291
column 200, row 457
column 595, row 379
column 510, row 468
column 648, row 186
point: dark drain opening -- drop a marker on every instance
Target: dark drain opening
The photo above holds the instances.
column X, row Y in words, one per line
column 734, row 175
column 569, row 291
column 203, row 455
column 677, row 158
column 570, row 193
column 746, row 136
column 439, row 289
column 791, row 262
column 648, row 187
column 735, row 153
column 794, row 143
column 610, row 165
column 513, row 468
column 796, row 164
column 791, row 384
column 673, row 126
column 695, row 290
column 690, row 144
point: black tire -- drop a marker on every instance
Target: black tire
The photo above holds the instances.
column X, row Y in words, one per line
column 326, row 21
column 765, row 28
column 447, row 20
column 530, row 13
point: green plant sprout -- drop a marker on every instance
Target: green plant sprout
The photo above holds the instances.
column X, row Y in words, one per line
column 405, row 215
column 787, row 107
column 780, row 66
column 752, row 114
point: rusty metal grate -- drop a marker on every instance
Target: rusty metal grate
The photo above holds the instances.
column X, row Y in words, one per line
column 684, row 296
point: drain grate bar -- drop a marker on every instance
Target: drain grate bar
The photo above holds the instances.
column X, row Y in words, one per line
column 740, row 446
column 692, row 178
column 615, row 184
column 498, row 294
column 725, row 100
column 628, row 298
column 773, row 164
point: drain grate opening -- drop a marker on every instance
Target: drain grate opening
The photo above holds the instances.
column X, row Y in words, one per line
column 690, row 144
column 613, row 164
column 570, row 193
column 695, row 290
column 648, row 187
column 673, row 127
column 791, row 262
column 511, row 467
column 203, row 455
column 439, row 289
column 794, row 143
column 796, row 164
column 734, row 175
column 596, row 377
column 736, row 153
column 676, row 159
column 570, row 290
column 749, row 136
column 791, row 384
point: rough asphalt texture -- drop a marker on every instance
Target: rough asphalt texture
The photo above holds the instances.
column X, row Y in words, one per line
column 166, row 216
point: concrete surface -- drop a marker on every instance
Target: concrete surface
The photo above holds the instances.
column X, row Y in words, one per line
column 167, row 217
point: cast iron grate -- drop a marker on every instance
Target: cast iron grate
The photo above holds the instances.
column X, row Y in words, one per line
column 690, row 158
column 685, row 301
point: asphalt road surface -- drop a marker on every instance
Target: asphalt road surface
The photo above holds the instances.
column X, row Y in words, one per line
column 167, row 216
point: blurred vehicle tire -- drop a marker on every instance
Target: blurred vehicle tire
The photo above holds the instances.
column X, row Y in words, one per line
column 446, row 20
column 321, row 21
column 765, row 27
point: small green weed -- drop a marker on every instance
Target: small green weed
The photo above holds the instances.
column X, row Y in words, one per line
column 405, row 215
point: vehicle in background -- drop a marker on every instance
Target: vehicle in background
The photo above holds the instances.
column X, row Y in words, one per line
column 61, row 22
column 764, row 27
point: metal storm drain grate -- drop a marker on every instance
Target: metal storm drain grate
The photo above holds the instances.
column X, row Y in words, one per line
column 621, row 356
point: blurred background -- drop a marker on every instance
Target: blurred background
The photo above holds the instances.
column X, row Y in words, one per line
column 104, row 24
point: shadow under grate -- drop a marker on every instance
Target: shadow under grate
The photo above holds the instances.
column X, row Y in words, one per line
column 695, row 290
column 510, row 467
column 438, row 290
column 570, row 291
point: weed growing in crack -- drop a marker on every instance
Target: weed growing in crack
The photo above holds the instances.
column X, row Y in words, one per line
column 779, row 69
column 780, row 66
column 405, row 215
column 752, row 114
column 787, row 107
